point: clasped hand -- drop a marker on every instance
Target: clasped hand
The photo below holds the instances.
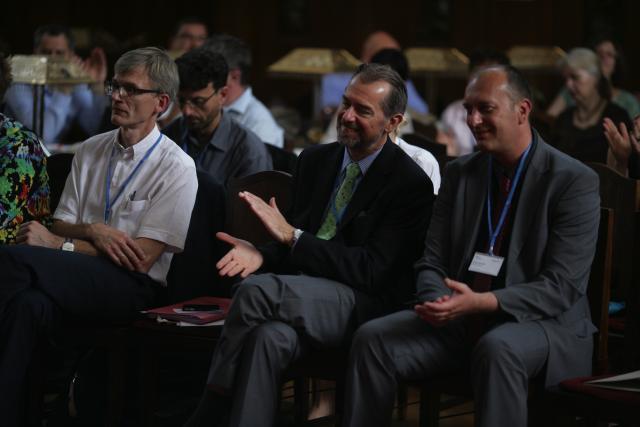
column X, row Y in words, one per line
column 461, row 302
column 118, row 246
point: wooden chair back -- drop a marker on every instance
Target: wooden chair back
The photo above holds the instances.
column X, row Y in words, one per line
column 241, row 222
column 599, row 289
column 622, row 195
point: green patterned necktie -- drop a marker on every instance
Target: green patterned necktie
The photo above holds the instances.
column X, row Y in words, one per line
column 340, row 202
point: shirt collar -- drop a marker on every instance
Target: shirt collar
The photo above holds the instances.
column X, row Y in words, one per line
column 140, row 148
column 364, row 164
column 241, row 104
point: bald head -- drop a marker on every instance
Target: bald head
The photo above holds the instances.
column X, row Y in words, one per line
column 516, row 85
column 498, row 113
column 375, row 43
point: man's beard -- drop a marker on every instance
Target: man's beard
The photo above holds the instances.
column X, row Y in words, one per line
column 197, row 125
column 349, row 141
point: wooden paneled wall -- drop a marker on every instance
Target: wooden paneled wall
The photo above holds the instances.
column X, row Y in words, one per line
column 273, row 27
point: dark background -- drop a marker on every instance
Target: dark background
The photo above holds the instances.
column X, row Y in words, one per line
column 273, row 27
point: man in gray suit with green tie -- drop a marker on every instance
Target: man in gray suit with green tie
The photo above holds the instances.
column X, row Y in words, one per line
column 501, row 287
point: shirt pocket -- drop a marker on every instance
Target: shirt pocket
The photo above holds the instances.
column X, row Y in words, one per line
column 131, row 215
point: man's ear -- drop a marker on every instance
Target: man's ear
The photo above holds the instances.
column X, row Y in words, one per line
column 524, row 109
column 223, row 92
column 393, row 122
column 163, row 103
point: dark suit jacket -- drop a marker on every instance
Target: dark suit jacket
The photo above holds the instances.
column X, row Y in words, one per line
column 551, row 247
column 381, row 233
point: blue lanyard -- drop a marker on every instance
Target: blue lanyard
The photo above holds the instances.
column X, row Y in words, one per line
column 493, row 234
column 108, row 203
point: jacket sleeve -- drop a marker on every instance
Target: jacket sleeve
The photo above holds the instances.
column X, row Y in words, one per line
column 562, row 280
column 432, row 267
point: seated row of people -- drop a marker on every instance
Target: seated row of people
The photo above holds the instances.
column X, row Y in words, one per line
column 501, row 277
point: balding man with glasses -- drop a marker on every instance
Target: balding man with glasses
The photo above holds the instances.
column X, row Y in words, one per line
column 219, row 145
column 124, row 211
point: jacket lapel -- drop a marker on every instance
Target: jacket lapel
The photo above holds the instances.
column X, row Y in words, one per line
column 531, row 194
column 474, row 194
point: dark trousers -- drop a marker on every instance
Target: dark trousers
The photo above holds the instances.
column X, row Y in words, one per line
column 39, row 289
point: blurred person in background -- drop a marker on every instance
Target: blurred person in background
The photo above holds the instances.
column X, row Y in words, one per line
column 579, row 131
column 65, row 106
column 612, row 65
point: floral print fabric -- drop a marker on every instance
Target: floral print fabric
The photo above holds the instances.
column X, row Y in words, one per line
column 24, row 183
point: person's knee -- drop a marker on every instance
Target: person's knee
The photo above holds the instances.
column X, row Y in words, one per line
column 494, row 350
column 369, row 339
column 252, row 288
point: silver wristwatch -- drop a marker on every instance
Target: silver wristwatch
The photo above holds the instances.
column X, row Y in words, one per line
column 296, row 235
column 68, row 245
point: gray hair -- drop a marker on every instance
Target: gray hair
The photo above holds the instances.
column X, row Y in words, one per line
column 587, row 60
column 582, row 58
column 396, row 101
column 235, row 51
column 161, row 69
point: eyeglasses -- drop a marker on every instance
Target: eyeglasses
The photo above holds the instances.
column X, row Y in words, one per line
column 197, row 102
column 125, row 90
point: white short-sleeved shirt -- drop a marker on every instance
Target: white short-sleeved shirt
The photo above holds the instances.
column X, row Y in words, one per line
column 157, row 202
column 424, row 159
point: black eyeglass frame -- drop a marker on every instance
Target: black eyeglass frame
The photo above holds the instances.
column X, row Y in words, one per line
column 200, row 103
column 112, row 86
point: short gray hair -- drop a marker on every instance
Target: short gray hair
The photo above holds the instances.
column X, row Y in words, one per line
column 582, row 58
column 160, row 68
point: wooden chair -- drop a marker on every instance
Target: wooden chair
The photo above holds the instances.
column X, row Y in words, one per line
column 608, row 406
column 622, row 195
column 283, row 160
column 598, row 290
column 241, row 222
column 155, row 339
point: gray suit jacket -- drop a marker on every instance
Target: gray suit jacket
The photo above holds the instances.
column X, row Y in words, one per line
column 550, row 252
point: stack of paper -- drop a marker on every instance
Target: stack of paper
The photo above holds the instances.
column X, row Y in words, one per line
column 177, row 312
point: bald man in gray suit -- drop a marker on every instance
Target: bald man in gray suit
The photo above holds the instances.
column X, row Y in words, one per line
column 501, row 287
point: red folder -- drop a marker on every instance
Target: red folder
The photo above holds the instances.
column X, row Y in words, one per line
column 174, row 313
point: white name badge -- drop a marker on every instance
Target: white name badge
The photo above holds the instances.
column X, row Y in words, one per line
column 486, row 264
